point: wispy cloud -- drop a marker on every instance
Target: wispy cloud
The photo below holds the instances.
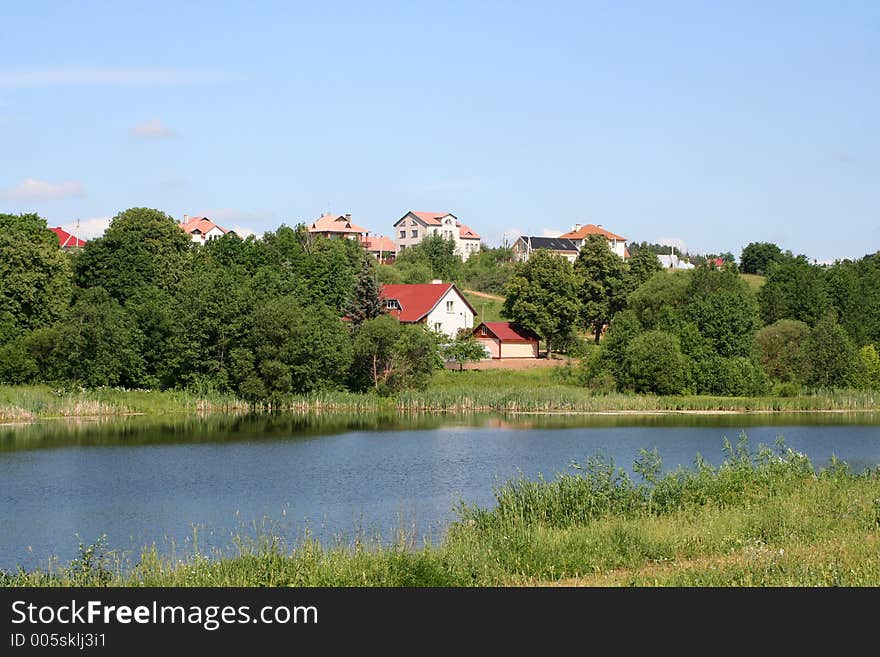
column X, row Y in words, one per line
column 153, row 128
column 677, row 242
column 30, row 189
column 88, row 228
column 97, row 75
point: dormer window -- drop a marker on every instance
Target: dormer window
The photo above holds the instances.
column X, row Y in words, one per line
column 391, row 304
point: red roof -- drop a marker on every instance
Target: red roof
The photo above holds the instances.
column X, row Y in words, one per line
column 466, row 233
column 417, row 300
column 431, row 218
column 201, row 224
column 65, row 239
column 591, row 229
column 328, row 223
column 506, row 332
column 379, row 244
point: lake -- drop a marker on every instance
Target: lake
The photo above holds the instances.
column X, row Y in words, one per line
column 173, row 481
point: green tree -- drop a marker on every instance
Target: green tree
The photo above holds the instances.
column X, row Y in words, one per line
column 390, row 356
column 795, row 289
column 435, row 254
column 724, row 310
column 542, row 296
column 658, row 302
column 833, row 357
column 757, row 257
column 363, row 302
column 602, row 282
column 298, row 348
column 642, row 266
column 781, row 350
column 654, row 363
column 869, row 368
column 141, row 247
column 99, row 344
column 464, row 349
column 35, row 275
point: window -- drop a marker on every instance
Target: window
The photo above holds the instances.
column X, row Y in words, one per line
column 391, row 304
column 414, row 233
column 449, row 306
column 484, row 330
column 438, row 327
column 403, row 234
column 401, row 247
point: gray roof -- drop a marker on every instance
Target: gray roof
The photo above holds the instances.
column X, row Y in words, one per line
column 551, row 243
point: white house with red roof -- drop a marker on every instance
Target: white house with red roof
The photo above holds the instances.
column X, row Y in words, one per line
column 579, row 234
column 66, row 240
column 201, row 229
column 440, row 306
column 507, row 340
column 414, row 226
column 330, row 225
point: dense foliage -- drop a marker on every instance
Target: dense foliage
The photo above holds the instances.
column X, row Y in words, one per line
column 144, row 307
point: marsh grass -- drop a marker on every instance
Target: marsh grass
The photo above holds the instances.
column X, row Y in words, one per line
column 761, row 517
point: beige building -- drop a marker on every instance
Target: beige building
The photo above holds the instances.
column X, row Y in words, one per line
column 413, row 227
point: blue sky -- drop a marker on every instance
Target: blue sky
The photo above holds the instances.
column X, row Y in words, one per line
column 712, row 124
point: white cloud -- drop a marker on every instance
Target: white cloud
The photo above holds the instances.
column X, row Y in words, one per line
column 551, row 232
column 30, row 189
column 96, row 75
column 153, row 128
column 88, row 228
column 242, row 231
column 677, row 242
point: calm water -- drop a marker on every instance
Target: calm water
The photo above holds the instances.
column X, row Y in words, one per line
column 141, row 482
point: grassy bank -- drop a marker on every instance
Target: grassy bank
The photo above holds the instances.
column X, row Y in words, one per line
column 761, row 518
column 507, row 391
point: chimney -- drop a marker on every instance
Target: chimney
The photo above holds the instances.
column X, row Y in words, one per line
column 185, row 218
column 576, row 228
column 348, row 216
column 437, row 281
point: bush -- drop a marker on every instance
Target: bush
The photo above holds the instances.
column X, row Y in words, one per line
column 16, row 364
column 654, row 363
column 781, row 350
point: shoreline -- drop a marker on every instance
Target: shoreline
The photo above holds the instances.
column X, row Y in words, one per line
column 446, row 411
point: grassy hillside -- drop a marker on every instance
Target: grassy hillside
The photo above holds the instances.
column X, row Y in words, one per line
column 488, row 310
column 754, row 280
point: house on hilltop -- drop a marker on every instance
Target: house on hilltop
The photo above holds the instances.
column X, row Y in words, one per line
column 413, row 227
column 441, row 306
column 201, row 229
column 382, row 248
column 330, row 225
column 525, row 245
column 579, row 234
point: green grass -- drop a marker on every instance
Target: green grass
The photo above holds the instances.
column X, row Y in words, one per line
column 488, row 310
column 510, row 391
column 762, row 517
column 755, row 281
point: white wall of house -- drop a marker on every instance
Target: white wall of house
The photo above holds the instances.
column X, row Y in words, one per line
column 200, row 238
column 451, row 315
column 617, row 246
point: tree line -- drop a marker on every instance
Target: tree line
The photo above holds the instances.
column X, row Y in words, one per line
column 705, row 331
column 144, row 307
